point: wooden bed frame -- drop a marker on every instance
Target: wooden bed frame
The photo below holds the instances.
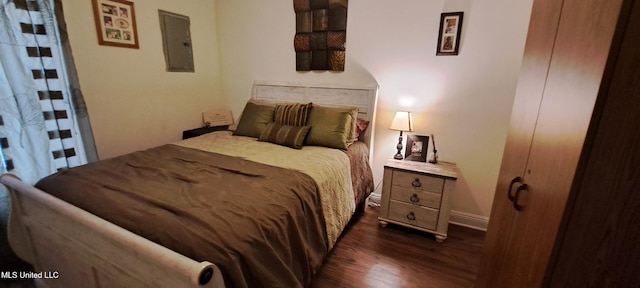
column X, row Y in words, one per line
column 67, row 245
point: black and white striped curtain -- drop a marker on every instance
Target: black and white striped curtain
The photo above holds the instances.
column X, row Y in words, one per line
column 39, row 127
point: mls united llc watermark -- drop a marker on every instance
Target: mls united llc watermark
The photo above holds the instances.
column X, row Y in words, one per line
column 29, row 275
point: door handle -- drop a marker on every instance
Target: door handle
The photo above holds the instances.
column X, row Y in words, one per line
column 514, row 181
column 516, row 205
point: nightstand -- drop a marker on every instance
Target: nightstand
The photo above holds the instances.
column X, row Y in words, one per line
column 200, row 131
column 416, row 195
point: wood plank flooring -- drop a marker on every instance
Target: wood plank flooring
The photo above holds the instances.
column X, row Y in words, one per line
column 394, row 257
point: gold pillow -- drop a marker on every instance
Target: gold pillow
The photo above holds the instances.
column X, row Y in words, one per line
column 254, row 119
column 332, row 127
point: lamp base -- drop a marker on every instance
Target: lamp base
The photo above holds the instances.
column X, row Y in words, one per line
column 398, row 155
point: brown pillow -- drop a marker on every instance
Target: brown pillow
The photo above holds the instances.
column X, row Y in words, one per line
column 286, row 135
column 292, row 114
column 253, row 120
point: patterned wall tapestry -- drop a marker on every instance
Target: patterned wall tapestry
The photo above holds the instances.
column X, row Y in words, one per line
column 321, row 33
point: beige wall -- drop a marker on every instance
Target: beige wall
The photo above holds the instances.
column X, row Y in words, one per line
column 464, row 100
column 133, row 102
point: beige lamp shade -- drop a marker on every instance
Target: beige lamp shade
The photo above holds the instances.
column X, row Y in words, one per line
column 402, row 121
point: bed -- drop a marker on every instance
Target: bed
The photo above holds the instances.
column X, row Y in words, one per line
column 220, row 210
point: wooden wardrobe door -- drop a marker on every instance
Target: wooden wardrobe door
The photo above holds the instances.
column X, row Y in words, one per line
column 579, row 58
column 575, row 74
column 496, row 265
column 579, row 32
column 599, row 242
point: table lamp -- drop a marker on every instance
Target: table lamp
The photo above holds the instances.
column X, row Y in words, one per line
column 401, row 122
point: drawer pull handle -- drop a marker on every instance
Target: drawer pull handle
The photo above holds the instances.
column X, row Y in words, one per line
column 416, row 183
column 414, row 198
column 411, row 216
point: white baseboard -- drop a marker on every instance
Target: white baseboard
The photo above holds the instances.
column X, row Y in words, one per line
column 374, row 199
column 469, row 220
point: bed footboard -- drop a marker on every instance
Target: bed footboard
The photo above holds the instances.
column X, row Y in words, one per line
column 69, row 247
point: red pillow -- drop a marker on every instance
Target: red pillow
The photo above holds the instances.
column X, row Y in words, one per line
column 361, row 126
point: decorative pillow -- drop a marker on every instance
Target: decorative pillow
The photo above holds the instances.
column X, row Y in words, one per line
column 361, row 126
column 332, row 127
column 286, row 135
column 292, row 114
column 254, row 119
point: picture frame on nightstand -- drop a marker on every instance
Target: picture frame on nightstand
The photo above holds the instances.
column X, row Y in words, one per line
column 417, row 147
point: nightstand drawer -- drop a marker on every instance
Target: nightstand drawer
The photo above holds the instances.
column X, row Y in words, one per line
column 416, row 197
column 418, row 182
column 413, row 215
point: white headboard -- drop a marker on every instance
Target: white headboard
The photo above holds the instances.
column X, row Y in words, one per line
column 365, row 98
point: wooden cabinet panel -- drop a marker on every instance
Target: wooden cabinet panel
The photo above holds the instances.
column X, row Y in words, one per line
column 520, row 242
column 574, row 79
column 600, row 236
column 545, row 16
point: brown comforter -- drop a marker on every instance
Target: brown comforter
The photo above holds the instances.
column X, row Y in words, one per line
column 262, row 225
column 361, row 174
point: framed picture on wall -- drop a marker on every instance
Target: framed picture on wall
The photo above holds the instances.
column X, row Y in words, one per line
column 116, row 23
column 416, row 149
column 449, row 34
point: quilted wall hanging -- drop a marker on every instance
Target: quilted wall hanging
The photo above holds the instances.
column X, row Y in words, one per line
column 321, row 33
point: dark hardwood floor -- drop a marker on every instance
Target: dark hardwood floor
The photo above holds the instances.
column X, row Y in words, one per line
column 393, row 257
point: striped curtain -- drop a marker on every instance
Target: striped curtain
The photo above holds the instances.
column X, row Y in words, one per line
column 44, row 126
column 39, row 130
